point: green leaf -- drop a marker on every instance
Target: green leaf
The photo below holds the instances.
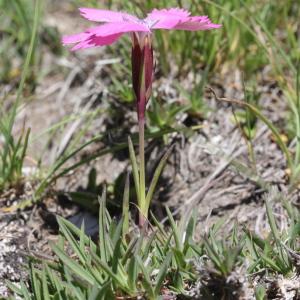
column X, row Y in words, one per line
column 130, row 250
column 295, row 232
column 189, row 232
column 24, row 149
column 156, row 176
column 146, row 279
column 260, row 292
column 25, row 292
column 77, row 232
column 119, row 278
column 81, row 239
column 231, row 258
column 70, row 238
column 85, row 199
column 214, row 256
column 35, row 284
column 271, row 263
column 117, row 253
column 73, row 289
column 256, row 239
column 274, row 229
column 74, row 266
column 125, row 211
column 132, row 274
column 102, row 227
column 272, row 221
column 15, row 289
column 56, row 283
column 117, row 234
column 162, row 273
column 103, row 293
column 149, row 244
column 135, row 169
column 46, row 295
column 174, row 229
column 160, row 227
column 179, row 257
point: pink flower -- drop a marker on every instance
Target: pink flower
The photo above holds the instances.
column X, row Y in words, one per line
column 115, row 24
column 118, row 23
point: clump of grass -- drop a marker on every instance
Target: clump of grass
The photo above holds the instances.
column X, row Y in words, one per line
column 13, row 151
column 119, row 264
column 18, row 22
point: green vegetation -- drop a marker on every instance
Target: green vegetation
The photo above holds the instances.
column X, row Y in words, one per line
column 159, row 264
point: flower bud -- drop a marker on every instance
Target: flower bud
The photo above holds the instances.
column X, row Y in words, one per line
column 142, row 70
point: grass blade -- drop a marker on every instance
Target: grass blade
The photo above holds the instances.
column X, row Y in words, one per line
column 162, row 273
column 135, row 169
column 125, row 211
column 73, row 265
column 156, row 175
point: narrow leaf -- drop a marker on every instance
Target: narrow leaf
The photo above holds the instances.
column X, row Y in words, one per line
column 102, row 227
column 156, row 175
column 73, row 243
column 174, row 229
column 74, row 266
column 125, row 212
column 45, row 290
column 135, row 169
column 162, row 273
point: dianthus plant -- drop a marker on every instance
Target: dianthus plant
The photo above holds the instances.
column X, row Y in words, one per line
column 112, row 26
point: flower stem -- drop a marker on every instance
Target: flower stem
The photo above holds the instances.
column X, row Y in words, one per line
column 142, row 214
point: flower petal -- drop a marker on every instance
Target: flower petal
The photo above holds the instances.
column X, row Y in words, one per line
column 176, row 18
column 100, row 15
column 105, row 34
column 75, row 38
column 94, row 41
column 118, row 27
column 169, row 13
column 197, row 23
column 166, row 18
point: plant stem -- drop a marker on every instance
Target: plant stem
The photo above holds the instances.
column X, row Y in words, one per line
column 143, row 213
